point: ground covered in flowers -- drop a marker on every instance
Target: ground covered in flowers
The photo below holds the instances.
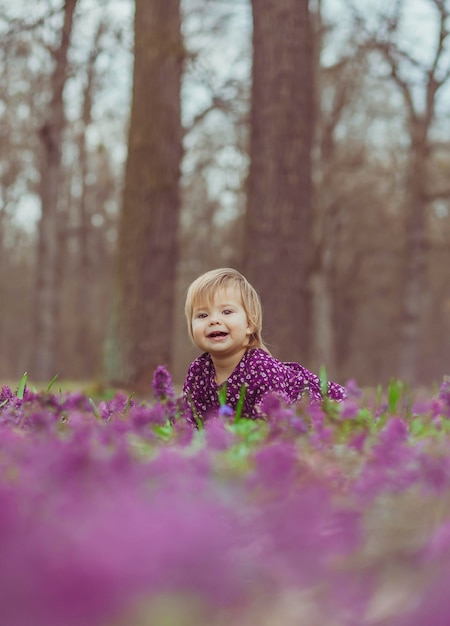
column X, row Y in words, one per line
column 121, row 513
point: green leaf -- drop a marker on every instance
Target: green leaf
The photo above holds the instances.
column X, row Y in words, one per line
column 128, row 404
column 323, row 381
column 222, row 393
column 378, row 394
column 196, row 416
column 252, row 431
column 364, row 416
column 94, row 407
column 395, row 391
column 51, row 383
column 240, row 404
column 21, row 387
column 165, row 432
column 380, row 422
column 417, row 427
column 238, row 455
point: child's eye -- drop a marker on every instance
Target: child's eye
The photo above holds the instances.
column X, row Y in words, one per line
column 227, row 311
column 201, row 315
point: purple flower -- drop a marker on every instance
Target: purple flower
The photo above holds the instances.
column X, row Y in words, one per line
column 381, row 409
column 437, row 408
column 85, row 557
column 40, row 420
column 76, row 401
column 279, row 415
column 217, row 436
column 298, row 425
column 271, row 405
column 321, row 438
column 162, row 384
column 353, row 390
column 444, row 395
column 306, row 530
column 183, row 432
column 394, row 433
column 392, row 449
column 117, row 405
column 429, row 605
column 142, row 415
column 317, row 415
column 9, row 399
column 435, row 471
column 276, row 466
column 6, row 395
column 357, row 442
column 438, row 545
column 350, row 409
column 422, row 407
column 226, row 411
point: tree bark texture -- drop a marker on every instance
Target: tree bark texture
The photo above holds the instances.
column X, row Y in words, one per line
column 85, row 303
column 147, row 251
column 278, row 222
column 415, row 281
column 49, row 257
column 420, row 121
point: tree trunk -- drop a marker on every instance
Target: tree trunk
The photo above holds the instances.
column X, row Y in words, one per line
column 415, row 285
column 434, row 76
column 48, row 262
column 322, row 346
column 322, row 329
column 85, row 303
column 3, row 341
column 147, row 252
column 278, row 221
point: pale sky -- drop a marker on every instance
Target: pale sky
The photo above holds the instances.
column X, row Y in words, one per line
column 419, row 30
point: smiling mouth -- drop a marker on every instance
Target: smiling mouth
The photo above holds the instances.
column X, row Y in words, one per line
column 217, row 334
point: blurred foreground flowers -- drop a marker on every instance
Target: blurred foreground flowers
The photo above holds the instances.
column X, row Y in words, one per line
column 123, row 514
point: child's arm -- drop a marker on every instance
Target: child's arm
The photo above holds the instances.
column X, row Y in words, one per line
column 265, row 375
column 189, row 394
column 334, row 390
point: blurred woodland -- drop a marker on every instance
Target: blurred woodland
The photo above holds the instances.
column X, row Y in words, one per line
column 305, row 143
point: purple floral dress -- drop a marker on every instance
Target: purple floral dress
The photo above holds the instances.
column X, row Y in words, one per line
column 261, row 373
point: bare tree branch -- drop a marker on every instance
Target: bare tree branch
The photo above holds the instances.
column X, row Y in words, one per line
column 439, row 194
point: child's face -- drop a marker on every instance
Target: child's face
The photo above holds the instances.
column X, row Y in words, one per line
column 221, row 327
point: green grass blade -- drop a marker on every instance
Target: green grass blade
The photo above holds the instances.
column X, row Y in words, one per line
column 195, row 415
column 130, row 398
column 395, row 390
column 21, row 387
column 240, row 404
column 94, row 407
column 323, row 381
column 164, row 432
column 52, row 382
column 222, row 393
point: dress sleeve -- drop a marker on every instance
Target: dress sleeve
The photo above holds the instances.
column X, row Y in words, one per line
column 334, row 391
column 189, row 393
column 264, row 375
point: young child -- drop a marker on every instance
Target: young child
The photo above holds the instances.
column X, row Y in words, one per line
column 224, row 318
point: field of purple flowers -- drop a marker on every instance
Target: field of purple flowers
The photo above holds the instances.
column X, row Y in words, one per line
column 120, row 513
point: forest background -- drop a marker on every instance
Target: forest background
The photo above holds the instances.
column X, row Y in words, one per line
column 306, row 144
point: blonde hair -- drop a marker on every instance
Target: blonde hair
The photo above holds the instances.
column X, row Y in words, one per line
column 205, row 286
